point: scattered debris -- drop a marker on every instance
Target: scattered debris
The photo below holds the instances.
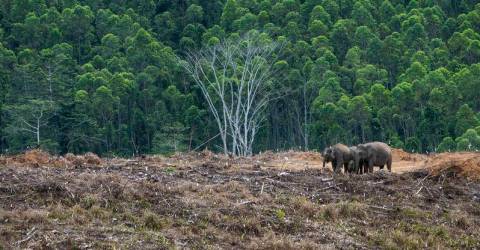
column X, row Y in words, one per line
column 455, row 164
column 204, row 200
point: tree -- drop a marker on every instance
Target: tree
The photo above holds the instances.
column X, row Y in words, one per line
column 170, row 139
column 403, row 98
column 465, row 119
column 363, row 37
column 367, row 76
column 229, row 15
column 362, row 15
column 234, row 77
column 467, row 81
column 415, row 36
column 77, row 27
column 340, row 38
column 319, row 13
column 7, row 62
column 194, row 14
column 469, row 141
column 447, row 145
column 392, row 53
column 386, row 11
column 166, row 27
column 360, row 114
column 31, row 118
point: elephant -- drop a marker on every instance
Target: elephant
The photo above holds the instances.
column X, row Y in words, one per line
column 356, row 165
column 339, row 155
column 374, row 154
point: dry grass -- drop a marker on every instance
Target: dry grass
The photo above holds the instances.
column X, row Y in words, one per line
column 201, row 200
column 401, row 155
column 455, row 164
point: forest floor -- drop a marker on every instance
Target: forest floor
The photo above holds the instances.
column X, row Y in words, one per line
column 269, row 201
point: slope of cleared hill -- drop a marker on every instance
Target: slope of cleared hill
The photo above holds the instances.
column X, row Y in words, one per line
column 202, row 200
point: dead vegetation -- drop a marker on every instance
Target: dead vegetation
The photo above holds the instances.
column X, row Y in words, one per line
column 39, row 158
column 202, row 200
column 401, row 155
column 455, row 164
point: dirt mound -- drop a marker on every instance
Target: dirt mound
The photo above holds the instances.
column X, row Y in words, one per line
column 92, row 158
column 81, row 160
column 400, row 155
column 296, row 155
column 456, row 164
column 39, row 158
column 3, row 160
column 34, row 157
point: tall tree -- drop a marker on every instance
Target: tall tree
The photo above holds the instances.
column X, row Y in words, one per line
column 234, row 77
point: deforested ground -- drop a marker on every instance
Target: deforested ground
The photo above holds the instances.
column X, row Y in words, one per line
column 207, row 201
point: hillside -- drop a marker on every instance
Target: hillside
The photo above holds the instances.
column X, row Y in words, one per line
column 106, row 76
column 202, row 200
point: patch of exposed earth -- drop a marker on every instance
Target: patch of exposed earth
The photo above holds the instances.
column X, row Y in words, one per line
column 202, row 200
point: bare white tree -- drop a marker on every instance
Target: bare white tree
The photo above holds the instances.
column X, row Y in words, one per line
column 31, row 117
column 234, row 78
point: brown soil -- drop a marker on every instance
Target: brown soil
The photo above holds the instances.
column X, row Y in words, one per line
column 456, row 164
column 400, row 155
column 202, row 200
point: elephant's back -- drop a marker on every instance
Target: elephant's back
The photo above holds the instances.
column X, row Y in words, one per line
column 383, row 152
column 380, row 147
column 341, row 147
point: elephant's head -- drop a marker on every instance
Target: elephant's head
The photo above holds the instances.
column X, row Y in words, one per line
column 328, row 155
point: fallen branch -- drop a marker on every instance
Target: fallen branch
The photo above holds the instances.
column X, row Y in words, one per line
column 30, row 234
column 420, row 189
column 380, row 212
column 381, row 208
column 326, row 188
column 244, row 203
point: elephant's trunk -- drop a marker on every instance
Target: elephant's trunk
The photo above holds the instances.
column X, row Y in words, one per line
column 323, row 162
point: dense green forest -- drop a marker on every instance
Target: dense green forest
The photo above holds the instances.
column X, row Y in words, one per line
column 104, row 75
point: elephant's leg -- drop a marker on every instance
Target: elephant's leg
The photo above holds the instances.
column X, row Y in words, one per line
column 356, row 164
column 346, row 167
column 389, row 165
column 370, row 166
column 338, row 167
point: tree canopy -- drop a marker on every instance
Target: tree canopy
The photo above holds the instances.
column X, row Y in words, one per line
column 105, row 76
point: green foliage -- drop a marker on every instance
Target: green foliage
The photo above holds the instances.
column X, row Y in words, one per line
column 108, row 78
column 469, row 141
column 280, row 214
column 447, row 145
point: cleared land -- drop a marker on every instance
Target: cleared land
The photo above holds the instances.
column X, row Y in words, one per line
column 270, row 201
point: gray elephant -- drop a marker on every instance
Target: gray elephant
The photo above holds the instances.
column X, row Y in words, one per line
column 356, row 165
column 338, row 155
column 374, row 154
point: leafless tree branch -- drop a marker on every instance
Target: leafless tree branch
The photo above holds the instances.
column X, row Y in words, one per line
column 234, row 77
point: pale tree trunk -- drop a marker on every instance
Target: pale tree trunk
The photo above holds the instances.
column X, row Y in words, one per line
column 233, row 77
column 35, row 126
